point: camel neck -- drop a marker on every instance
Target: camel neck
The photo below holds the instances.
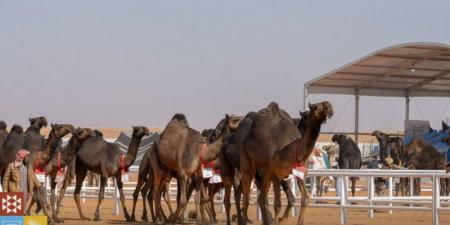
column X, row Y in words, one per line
column 212, row 150
column 309, row 140
column 133, row 148
column 70, row 151
column 49, row 148
column 34, row 129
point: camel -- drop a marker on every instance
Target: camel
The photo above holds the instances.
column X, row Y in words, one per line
column 34, row 141
column 3, row 132
column 349, row 156
column 14, row 141
column 423, row 156
column 63, row 158
column 272, row 146
column 390, row 147
column 105, row 159
column 145, row 186
column 182, row 150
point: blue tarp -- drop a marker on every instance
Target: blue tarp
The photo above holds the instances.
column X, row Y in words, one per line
column 434, row 138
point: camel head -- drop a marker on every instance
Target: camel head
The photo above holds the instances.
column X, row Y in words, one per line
column 140, row 132
column 16, row 129
column 330, row 149
column 378, row 134
column 83, row 133
column 338, row 138
column 209, row 135
column 38, row 122
column 2, row 125
column 417, row 145
column 61, row 130
column 320, row 112
column 234, row 121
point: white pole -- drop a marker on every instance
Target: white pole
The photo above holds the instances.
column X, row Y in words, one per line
column 343, row 199
column 356, row 116
column 371, row 194
column 294, row 192
column 116, row 199
column 305, row 97
column 391, row 182
column 407, row 99
column 436, row 199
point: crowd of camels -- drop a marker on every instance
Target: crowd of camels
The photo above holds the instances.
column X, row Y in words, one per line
column 260, row 147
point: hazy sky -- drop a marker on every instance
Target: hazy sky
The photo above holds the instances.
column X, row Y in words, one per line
column 119, row 63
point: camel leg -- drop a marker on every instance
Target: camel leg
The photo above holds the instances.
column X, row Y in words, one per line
column 66, row 183
column 246, row 186
column 353, row 179
column 135, row 199
column 53, row 200
column 28, row 210
column 277, row 201
column 204, row 198
column 262, row 197
column 182, row 179
column 227, row 198
column 166, row 195
column 101, row 196
column 80, row 178
column 41, row 200
column 145, row 193
column 158, row 178
column 122, row 197
column 304, row 200
column 199, row 198
column 290, row 197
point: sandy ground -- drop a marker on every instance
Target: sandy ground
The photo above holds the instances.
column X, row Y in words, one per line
column 313, row 215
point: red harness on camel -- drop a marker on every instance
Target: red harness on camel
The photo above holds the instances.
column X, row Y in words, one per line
column 59, row 163
column 204, row 164
column 37, row 163
column 122, row 162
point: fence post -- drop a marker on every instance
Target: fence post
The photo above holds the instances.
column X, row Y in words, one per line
column 391, row 183
column 343, row 199
column 294, row 192
column 371, row 194
column 116, row 199
column 436, row 199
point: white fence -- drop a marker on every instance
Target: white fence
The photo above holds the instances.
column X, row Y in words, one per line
column 434, row 203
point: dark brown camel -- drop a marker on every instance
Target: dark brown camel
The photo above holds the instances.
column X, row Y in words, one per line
column 182, row 149
column 61, row 159
column 34, row 141
column 39, row 159
column 423, row 156
column 273, row 145
column 106, row 159
column 145, row 186
column 13, row 143
column 349, row 156
column 3, row 132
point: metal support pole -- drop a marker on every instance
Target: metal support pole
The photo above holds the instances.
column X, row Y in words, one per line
column 371, row 194
column 391, row 191
column 116, row 199
column 407, row 99
column 436, row 199
column 305, row 97
column 356, row 116
column 294, row 192
column 343, row 199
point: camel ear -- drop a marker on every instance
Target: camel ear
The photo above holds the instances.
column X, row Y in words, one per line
column 309, row 105
column 300, row 112
column 53, row 125
column 227, row 117
column 31, row 120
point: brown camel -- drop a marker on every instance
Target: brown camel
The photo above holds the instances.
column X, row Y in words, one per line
column 14, row 141
column 273, row 146
column 182, row 149
column 63, row 157
column 34, row 141
column 145, row 186
column 106, row 159
column 3, row 132
column 423, row 156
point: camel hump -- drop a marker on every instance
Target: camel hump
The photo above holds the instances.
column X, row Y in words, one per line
column 16, row 129
column 98, row 133
column 180, row 117
column 2, row 125
column 274, row 106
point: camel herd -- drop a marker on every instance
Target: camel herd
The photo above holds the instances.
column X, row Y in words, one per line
column 262, row 147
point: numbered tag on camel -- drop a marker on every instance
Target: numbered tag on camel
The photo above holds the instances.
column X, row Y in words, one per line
column 207, row 173
column 299, row 172
column 215, row 179
column 125, row 177
column 40, row 177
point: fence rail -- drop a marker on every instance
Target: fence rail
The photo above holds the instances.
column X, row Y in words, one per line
column 368, row 200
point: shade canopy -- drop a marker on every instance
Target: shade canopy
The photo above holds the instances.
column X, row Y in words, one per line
column 404, row 70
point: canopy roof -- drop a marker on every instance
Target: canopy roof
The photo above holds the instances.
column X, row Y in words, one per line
column 404, row 70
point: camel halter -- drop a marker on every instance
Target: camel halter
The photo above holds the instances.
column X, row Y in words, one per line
column 202, row 152
column 122, row 162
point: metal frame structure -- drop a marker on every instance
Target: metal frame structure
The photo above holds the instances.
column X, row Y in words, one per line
column 419, row 69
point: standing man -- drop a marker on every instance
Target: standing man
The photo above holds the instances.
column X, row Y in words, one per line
column 19, row 177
